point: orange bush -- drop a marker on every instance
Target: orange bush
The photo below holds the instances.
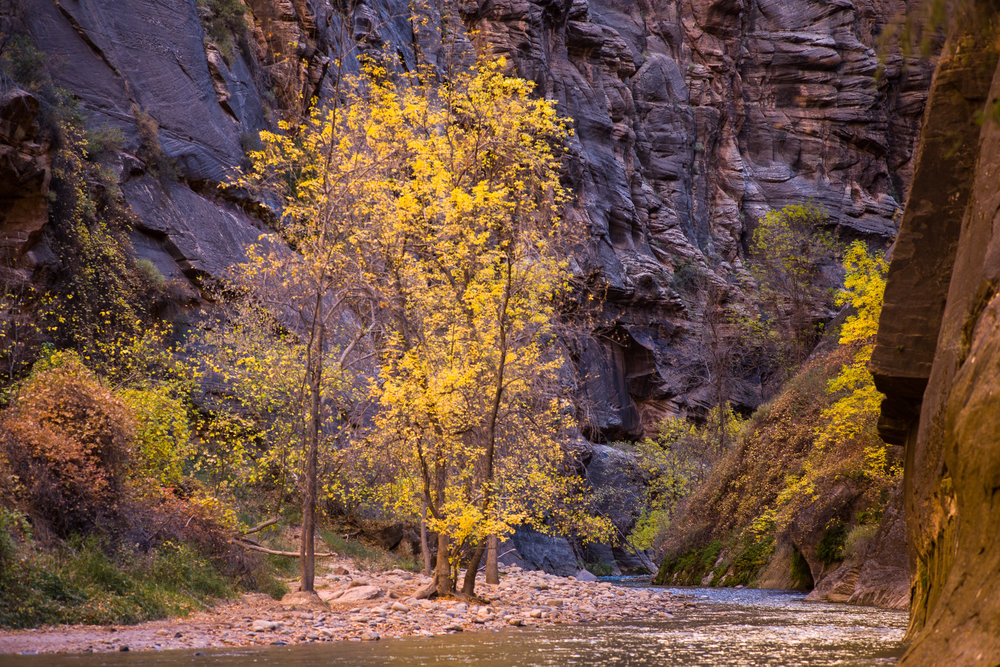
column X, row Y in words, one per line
column 68, row 441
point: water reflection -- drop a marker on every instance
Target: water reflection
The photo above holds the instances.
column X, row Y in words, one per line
column 717, row 626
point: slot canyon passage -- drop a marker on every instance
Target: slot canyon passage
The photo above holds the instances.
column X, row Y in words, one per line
column 663, row 329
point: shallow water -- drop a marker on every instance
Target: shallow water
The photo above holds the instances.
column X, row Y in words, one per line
column 715, row 627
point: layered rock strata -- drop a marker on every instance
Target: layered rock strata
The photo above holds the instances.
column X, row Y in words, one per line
column 691, row 117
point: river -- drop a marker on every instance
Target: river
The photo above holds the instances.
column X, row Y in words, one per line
column 715, row 627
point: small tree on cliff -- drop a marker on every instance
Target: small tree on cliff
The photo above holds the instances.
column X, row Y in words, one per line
column 789, row 253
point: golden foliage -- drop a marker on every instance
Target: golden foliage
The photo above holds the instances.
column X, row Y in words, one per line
column 430, row 213
column 858, row 401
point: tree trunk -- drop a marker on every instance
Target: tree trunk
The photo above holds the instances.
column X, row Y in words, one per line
column 469, row 585
column 425, row 549
column 492, row 566
column 308, row 545
column 441, row 586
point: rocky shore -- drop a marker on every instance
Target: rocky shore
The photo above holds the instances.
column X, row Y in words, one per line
column 359, row 606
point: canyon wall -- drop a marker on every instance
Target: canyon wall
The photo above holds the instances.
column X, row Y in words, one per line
column 937, row 355
column 691, row 119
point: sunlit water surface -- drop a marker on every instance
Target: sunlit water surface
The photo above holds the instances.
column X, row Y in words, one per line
column 718, row 627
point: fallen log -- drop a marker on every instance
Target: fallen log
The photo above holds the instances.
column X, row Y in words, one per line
column 253, row 546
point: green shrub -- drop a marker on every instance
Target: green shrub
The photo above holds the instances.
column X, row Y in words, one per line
column 600, row 569
column 800, row 573
column 224, row 23
column 831, row 546
column 858, row 538
column 150, row 274
column 103, row 140
column 22, row 61
column 162, row 432
column 752, row 556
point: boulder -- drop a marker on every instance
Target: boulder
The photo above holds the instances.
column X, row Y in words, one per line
column 360, row 593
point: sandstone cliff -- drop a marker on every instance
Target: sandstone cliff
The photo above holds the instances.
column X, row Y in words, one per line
column 936, row 357
column 692, row 118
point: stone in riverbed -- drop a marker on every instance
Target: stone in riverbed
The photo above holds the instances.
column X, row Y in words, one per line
column 265, row 626
column 303, row 599
column 359, row 593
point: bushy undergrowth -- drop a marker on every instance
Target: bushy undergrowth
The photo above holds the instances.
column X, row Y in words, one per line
column 86, row 535
column 79, row 582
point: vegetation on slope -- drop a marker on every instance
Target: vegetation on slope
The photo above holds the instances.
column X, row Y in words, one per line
column 808, row 479
column 101, row 519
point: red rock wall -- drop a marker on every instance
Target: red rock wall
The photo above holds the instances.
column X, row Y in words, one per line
column 938, row 358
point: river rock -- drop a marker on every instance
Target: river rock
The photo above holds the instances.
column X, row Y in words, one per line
column 359, row 593
column 265, row 626
column 303, row 600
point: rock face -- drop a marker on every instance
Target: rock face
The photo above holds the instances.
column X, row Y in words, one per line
column 24, row 178
column 936, row 359
column 691, row 117
column 878, row 575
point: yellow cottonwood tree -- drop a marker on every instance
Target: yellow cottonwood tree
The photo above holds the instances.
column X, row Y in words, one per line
column 428, row 214
column 858, row 404
column 472, row 262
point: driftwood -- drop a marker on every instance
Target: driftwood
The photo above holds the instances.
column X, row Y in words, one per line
column 253, row 546
column 260, row 526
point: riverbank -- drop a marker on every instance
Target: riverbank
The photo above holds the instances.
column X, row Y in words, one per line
column 359, row 606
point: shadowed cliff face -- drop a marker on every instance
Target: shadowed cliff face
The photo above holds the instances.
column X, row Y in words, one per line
column 936, row 357
column 691, row 117
column 24, row 177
